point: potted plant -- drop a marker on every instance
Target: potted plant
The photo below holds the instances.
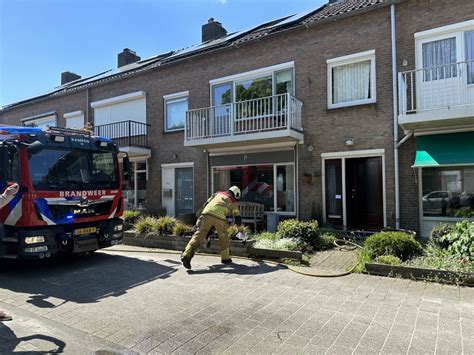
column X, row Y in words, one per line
column 307, row 178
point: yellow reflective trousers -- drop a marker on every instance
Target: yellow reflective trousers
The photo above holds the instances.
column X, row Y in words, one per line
column 204, row 224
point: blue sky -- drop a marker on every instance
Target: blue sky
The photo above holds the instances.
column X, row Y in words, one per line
column 39, row 39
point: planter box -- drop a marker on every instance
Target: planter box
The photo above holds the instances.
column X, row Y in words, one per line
column 420, row 274
column 173, row 242
column 275, row 254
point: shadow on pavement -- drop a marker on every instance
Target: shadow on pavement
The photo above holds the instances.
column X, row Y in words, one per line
column 55, row 281
column 239, row 269
column 9, row 341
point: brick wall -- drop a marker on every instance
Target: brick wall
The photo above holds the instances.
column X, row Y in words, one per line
column 371, row 126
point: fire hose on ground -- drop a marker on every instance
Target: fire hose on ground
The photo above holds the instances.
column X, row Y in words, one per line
column 342, row 244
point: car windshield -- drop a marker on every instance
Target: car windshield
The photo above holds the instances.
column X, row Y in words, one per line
column 58, row 169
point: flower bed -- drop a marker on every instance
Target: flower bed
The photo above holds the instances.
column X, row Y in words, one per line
column 290, row 242
column 174, row 242
column 448, row 257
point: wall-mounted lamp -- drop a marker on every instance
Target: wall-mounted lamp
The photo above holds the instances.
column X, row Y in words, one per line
column 350, row 142
column 310, row 148
column 404, row 62
column 175, row 156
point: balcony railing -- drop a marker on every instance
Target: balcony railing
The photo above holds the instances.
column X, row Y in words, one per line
column 435, row 88
column 125, row 133
column 260, row 115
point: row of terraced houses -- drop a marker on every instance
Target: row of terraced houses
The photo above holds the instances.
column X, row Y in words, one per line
column 358, row 113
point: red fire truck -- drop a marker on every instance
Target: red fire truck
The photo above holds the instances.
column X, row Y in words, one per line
column 70, row 197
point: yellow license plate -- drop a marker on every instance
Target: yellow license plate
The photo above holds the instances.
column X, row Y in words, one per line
column 82, row 231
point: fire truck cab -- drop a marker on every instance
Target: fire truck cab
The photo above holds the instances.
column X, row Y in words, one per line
column 70, row 197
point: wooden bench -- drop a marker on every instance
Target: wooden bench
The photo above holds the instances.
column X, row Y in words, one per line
column 251, row 213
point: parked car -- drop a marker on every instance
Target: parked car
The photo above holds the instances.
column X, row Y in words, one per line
column 438, row 203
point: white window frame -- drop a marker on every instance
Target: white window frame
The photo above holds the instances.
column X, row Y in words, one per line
column 351, row 59
column 457, row 30
column 176, row 97
column 74, row 114
column 254, row 74
column 369, row 153
column 275, row 165
column 41, row 118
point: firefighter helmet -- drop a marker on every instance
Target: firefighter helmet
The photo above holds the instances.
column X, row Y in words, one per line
column 236, row 191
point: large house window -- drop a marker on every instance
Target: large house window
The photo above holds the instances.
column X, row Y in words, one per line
column 448, row 192
column 176, row 106
column 272, row 185
column 437, row 57
column 257, row 84
column 351, row 80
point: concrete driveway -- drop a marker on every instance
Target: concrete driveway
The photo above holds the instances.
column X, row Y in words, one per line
column 146, row 302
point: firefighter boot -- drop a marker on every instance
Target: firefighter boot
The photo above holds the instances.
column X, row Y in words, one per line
column 186, row 261
column 225, row 256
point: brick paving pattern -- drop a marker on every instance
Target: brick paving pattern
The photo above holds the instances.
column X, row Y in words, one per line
column 147, row 303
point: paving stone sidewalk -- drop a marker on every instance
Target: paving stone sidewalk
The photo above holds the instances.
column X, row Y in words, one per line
column 147, row 303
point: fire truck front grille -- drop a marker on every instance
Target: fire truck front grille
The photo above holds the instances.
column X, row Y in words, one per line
column 99, row 209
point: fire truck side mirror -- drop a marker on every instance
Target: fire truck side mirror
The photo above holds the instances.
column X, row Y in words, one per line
column 35, row 148
column 126, row 168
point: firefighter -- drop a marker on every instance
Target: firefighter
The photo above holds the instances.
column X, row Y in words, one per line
column 6, row 197
column 216, row 209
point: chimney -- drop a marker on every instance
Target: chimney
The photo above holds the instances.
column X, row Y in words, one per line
column 67, row 77
column 127, row 56
column 212, row 30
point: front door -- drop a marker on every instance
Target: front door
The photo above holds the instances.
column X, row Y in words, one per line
column 184, row 202
column 364, row 193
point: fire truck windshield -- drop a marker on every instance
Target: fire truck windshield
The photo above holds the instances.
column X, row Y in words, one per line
column 59, row 169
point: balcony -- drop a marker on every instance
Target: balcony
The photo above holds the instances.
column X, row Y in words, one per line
column 264, row 120
column 437, row 97
column 129, row 136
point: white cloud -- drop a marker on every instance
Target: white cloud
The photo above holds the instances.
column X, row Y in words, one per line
column 223, row 2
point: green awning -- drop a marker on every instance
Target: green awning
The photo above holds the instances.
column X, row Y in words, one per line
column 444, row 149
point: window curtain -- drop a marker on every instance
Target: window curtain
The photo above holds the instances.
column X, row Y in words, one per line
column 351, row 82
column 470, row 56
column 439, row 59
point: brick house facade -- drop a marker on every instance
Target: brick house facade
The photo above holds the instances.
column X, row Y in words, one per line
column 326, row 131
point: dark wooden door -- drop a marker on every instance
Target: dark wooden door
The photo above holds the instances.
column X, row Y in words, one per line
column 364, row 193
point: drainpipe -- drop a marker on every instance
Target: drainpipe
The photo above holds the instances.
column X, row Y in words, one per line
column 395, row 117
column 404, row 139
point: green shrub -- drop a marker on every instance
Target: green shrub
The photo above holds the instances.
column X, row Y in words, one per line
column 146, row 224
column 165, row 225
column 181, row 229
column 400, row 244
column 266, row 235
column 460, row 241
column 306, row 232
column 438, row 232
column 233, row 229
column 325, row 241
column 290, row 244
column 388, row 259
column 131, row 216
column 364, row 256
